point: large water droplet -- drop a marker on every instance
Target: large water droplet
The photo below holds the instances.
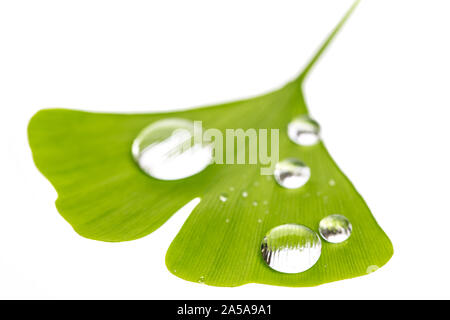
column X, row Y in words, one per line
column 291, row 248
column 291, row 173
column 335, row 228
column 166, row 150
column 304, row 131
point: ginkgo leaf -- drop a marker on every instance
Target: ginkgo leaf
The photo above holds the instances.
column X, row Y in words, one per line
column 105, row 196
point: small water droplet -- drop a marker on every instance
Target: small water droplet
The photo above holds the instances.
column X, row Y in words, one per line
column 166, row 150
column 372, row 268
column 245, row 194
column 291, row 248
column 201, row 279
column 304, row 131
column 332, row 182
column 255, row 203
column 259, row 220
column 266, row 212
column 335, row 228
column 223, row 197
column 231, row 189
column 291, row 173
column 227, row 220
column 265, row 202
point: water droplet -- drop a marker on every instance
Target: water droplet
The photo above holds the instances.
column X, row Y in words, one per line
column 245, row 194
column 223, row 197
column 231, row 189
column 335, row 228
column 291, row 248
column 265, row 202
column 227, row 220
column 304, row 131
column 291, row 173
column 259, row 220
column 372, row 268
column 201, row 279
column 255, row 203
column 167, row 150
column 332, row 182
column 266, row 212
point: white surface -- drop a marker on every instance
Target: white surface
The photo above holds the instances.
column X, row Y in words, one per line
column 381, row 94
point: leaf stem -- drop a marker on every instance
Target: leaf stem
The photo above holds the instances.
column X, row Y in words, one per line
column 325, row 44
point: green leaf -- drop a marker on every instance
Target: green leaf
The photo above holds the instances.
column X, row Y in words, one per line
column 105, row 196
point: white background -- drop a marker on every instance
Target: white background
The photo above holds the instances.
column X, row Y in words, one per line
column 381, row 93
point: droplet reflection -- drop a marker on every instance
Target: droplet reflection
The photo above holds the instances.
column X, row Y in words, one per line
column 335, row 228
column 291, row 248
column 304, row 131
column 291, row 173
column 166, row 150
